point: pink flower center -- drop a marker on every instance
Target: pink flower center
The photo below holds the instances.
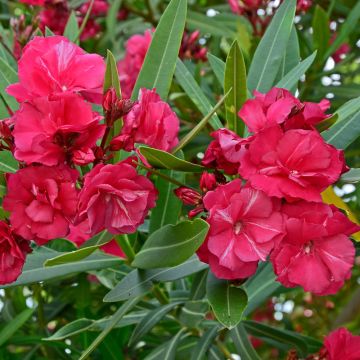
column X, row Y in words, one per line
column 308, row 247
column 237, row 227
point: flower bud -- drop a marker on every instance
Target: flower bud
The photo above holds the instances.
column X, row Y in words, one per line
column 83, row 156
column 188, row 196
column 207, row 182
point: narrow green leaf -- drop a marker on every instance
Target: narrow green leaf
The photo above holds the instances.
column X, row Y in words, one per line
column 353, row 176
column 198, row 287
column 35, row 272
column 139, row 282
column 321, row 32
column 75, row 327
column 218, row 67
column 203, row 345
column 159, row 65
column 164, row 160
column 84, row 21
column 194, row 92
column 149, row 321
column 99, row 239
column 72, row 28
column 227, row 301
column 127, row 306
column 171, row 245
column 215, row 354
column 196, row 130
column 168, row 206
column 349, row 108
column 270, row 51
column 266, row 333
column 8, row 76
column 345, row 30
column 111, row 75
column 192, row 313
column 48, row 32
column 14, row 325
column 327, row 123
column 294, row 75
column 8, row 164
column 111, row 18
column 170, row 350
column 243, row 344
column 260, row 287
column 235, row 82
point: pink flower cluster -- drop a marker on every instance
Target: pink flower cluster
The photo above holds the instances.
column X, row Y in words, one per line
column 278, row 214
column 136, row 48
column 55, row 131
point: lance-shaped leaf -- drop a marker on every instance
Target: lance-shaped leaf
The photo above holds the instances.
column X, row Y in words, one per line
column 218, row 67
column 203, row 345
column 242, row 343
column 76, row 327
column 321, row 32
column 227, row 301
column 171, row 245
column 235, row 82
column 111, row 75
column 352, row 176
column 271, row 49
column 72, row 28
column 164, row 160
column 8, row 164
column 159, row 65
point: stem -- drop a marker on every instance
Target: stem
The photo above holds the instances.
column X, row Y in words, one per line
column 124, row 243
column 165, row 177
column 86, row 18
column 160, row 295
column 7, row 48
column 224, row 350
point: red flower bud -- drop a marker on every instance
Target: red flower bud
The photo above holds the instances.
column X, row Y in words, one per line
column 188, row 196
column 83, row 156
column 207, row 182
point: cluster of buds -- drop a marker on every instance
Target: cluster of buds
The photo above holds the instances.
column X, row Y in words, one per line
column 191, row 197
column 190, row 47
column 6, row 138
column 114, row 107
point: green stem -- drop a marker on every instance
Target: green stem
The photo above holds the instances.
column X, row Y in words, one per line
column 160, row 295
column 86, row 18
column 224, row 350
column 123, row 241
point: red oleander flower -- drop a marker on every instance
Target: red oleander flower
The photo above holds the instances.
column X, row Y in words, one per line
column 41, row 201
column 316, row 252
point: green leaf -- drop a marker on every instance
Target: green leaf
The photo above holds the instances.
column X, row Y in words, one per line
column 349, row 108
column 344, row 132
column 193, row 313
column 321, row 32
column 196, row 130
column 294, row 75
column 8, row 76
column 111, row 18
column 243, row 344
column 8, row 164
column 35, row 272
column 72, row 28
column 345, row 30
column 168, row 206
column 149, row 321
column 99, row 239
column 260, row 287
column 215, row 354
column 327, row 123
column 170, row 350
column 76, row 327
column 139, row 282
column 127, row 306
column 171, row 245
column 271, row 49
column 164, row 160
column 198, row 286
column 206, row 24
column 195, row 93
column 227, row 301
column 203, row 345
column 218, row 67
column 14, row 325
column 235, row 82
column 266, row 333
column 159, row 65
column 111, row 75
column 353, row 176
column 48, row 32
column 76, row 255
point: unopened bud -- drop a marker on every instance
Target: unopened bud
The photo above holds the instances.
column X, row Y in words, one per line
column 207, row 182
column 83, row 156
column 188, row 196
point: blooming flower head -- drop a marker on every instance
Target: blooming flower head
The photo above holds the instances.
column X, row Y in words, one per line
column 316, row 252
column 297, row 164
column 53, row 65
column 341, row 344
column 150, row 121
column 41, row 201
column 245, row 224
column 116, row 198
column 13, row 251
column 224, row 152
column 52, row 131
column 279, row 106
